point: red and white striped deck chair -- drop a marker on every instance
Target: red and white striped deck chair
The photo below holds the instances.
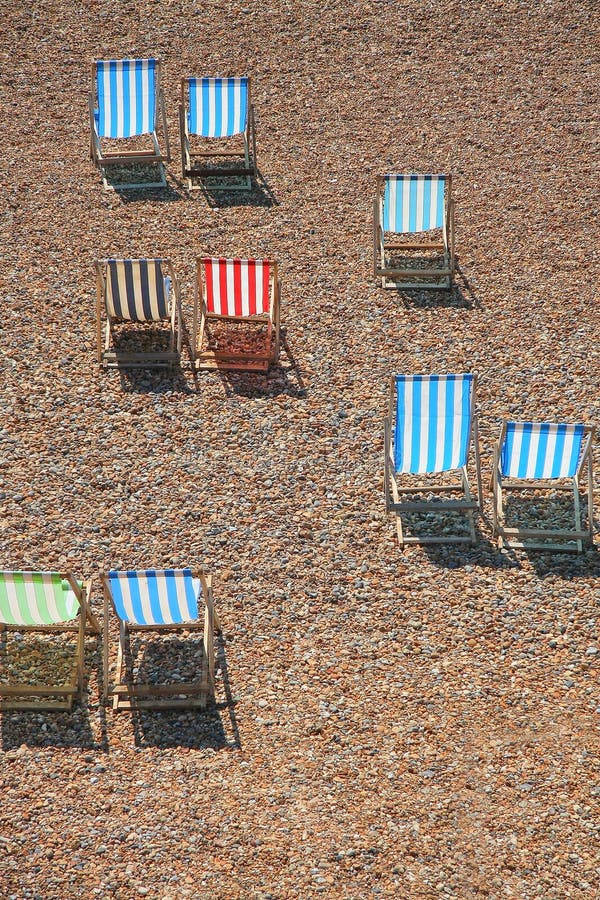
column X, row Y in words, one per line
column 143, row 291
column 241, row 292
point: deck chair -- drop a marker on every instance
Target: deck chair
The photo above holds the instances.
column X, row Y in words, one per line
column 414, row 205
column 242, row 292
column 428, row 431
column 540, row 456
column 160, row 601
column 216, row 121
column 126, row 103
column 137, row 291
column 46, row 602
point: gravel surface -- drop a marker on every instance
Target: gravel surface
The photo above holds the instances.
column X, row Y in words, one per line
column 388, row 724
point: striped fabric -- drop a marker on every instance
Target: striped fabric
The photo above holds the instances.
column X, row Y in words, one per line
column 218, row 106
column 433, row 422
column 540, row 450
column 36, row 598
column 126, row 97
column 237, row 287
column 155, row 596
column 137, row 289
column 413, row 203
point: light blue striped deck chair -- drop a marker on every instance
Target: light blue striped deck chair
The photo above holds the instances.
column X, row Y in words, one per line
column 160, row 601
column 127, row 104
column 431, row 424
column 137, row 291
column 218, row 141
column 414, row 206
column 542, row 456
column 48, row 603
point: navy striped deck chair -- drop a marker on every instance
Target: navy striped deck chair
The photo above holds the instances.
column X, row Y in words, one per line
column 413, row 234
column 143, row 292
column 218, row 142
column 430, row 427
column 127, row 110
column 542, row 456
column 159, row 601
column 236, row 292
column 45, row 603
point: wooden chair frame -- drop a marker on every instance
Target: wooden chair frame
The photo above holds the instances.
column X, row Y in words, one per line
column 56, row 696
column 538, row 538
column 394, row 491
column 407, row 278
column 104, row 159
column 114, row 358
column 232, row 361
column 194, row 160
column 130, row 695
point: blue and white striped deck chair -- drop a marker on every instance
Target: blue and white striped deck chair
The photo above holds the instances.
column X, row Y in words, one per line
column 542, row 456
column 158, row 600
column 127, row 103
column 218, row 142
column 137, row 291
column 49, row 603
column 429, row 429
column 408, row 205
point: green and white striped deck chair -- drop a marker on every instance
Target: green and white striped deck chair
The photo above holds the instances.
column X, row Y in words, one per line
column 158, row 600
column 46, row 602
column 413, row 235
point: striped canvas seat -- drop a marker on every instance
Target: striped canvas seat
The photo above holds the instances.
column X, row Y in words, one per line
column 433, row 422
column 36, row 598
column 541, row 450
column 155, row 597
column 430, row 426
column 218, row 107
column 237, row 287
column 126, row 94
column 137, row 290
column 538, row 457
column 413, row 203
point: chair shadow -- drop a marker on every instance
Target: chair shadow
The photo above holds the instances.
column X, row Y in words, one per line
column 194, row 728
column 172, row 192
column 56, row 728
column 460, row 295
column 283, row 378
column 260, row 195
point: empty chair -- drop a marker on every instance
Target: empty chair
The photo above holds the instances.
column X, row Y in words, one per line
column 137, row 291
column 419, row 205
column 218, row 142
column 234, row 294
column 430, row 427
column 162, row 601
column 45, row 603
column 126, row 103
column 542, row 456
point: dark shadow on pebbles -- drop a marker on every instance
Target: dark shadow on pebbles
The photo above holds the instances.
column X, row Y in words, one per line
column 155, row 381
column 284, row 378
column 261, row 196
column 460, row 295
column 57, row 728
column 193, row 728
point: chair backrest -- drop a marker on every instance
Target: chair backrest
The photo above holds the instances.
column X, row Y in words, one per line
column 413, row 203
column 540, row 450
column 433, row 422
column 155, row 596
column 237, row 287
column 218, row 107
column 36, row 598
column 126, row 97
column 137, row 289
